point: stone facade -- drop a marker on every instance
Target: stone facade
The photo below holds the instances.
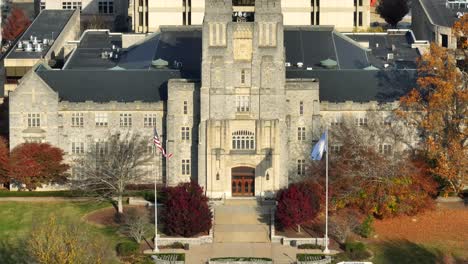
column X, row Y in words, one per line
column 243, row 130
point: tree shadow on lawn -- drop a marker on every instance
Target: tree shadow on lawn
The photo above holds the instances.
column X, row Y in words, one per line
column 407, row 252
column 13, row 253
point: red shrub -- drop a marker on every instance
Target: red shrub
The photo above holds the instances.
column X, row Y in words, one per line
column 35, row 164
column 186, row 211
column 297, row 205
column 3, row 161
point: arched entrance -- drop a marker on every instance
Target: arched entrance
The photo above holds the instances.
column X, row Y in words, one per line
column 243, row 181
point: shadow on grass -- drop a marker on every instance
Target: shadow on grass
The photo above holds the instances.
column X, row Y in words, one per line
column 13, row 252
column 407, row 252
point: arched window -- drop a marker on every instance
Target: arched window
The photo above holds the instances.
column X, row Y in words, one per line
column 243, row 140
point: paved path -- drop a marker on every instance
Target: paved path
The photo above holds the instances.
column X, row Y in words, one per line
column 279, row 253
column 242, row 221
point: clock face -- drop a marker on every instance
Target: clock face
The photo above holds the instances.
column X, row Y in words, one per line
column 243, row 49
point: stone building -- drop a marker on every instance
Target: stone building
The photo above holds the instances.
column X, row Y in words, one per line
column 148, row 16
column 238, row 103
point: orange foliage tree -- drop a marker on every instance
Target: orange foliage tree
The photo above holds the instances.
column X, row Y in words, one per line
column 438, row 108
column 17, row 22
column 35, row 164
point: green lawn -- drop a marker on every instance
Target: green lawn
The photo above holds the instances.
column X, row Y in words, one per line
column 17, row 219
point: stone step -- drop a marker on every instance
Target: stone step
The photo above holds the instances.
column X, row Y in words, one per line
column 241, row 202
column 241, row 233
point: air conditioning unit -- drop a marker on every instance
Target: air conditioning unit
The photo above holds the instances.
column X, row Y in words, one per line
column 390, row 56
column 309, row 68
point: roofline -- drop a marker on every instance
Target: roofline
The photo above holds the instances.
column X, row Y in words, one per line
column 24, row 33
column 427, row 13
column 76, row 12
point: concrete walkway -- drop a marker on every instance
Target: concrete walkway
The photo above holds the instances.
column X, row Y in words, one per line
column 242, row 221
column 279, row 253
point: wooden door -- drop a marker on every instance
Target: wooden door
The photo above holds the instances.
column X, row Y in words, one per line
column 243, row 181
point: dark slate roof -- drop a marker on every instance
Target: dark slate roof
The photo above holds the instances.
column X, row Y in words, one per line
column 88, row 53
column 313, row 44
column 48, row 24
column 440, row 14
column 106, row 85
column 397, row 43
column 360, row 85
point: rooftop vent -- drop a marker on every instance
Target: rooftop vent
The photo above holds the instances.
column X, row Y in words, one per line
column 38, row 47
column 300, row 64
column 390, row 56
column 29, row 47
column 20, row 45
column 309, row 68
column 287, row 64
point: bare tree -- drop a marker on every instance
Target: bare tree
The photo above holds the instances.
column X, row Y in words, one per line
column 109, row 166
column 136, row 224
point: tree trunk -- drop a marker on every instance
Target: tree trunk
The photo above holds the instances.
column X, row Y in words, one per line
column 119, row 204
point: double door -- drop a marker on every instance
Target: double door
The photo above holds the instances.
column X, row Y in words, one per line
column 243, row 182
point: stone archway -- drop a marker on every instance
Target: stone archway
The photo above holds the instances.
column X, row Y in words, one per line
column 243, row 181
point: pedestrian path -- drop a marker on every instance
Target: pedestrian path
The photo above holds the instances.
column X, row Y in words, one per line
column 242, row 221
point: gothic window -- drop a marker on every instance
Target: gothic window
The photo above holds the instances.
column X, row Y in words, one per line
column 77, row 147
column 125, row 120
column 185, row 107
column 101, row 119
column 186, row 167
column 243, row 140
column 185, row 133
column 242, row 103
column 301, row 133
column 301, row 167
column 301, row 108
column 77, row 120
column 34, row 120
column 149, row 120
column 385, row 149
column 242, row 77
column 70, row 5
column 106, row 7
column 336, row 120
column 361, row 121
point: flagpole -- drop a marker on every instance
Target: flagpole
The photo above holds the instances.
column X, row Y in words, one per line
column 326, row 250
column 156, row 249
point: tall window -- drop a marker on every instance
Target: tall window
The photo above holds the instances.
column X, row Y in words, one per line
column 42, row 6
column 301, row 167
column 385, row 149
column 243, row 140
column 336, row 121
column 34, row 120
column 186, row 167
column 361, row 121
column 106, row 7
column 301, row 133
column 102, row 148
column 149, row 120
column 77, row 147
column 70, row 5
column 243, row 103
column 101, row 119
column 242, row 76
column 185, row 107
column 360, row 19
column 77, row 120
column 185, row 133
column 125, row 120
column 301, row 108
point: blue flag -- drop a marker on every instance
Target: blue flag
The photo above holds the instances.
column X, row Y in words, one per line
column 319, row 148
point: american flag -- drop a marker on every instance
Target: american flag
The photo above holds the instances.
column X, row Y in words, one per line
column 158, row 144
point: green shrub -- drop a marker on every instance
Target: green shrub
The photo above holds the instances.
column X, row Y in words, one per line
column 167, row 256
column 356, row 251
column 367, row 227
column 310, row 246
column 309, row 257
column 127, row 248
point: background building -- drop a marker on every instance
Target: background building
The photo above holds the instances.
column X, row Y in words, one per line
column 433, row 20
column 345, row 15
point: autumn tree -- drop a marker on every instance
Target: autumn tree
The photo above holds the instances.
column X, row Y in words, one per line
column 3, row 161
column 36, row 164
column 15, row 25
column 109, row 166
column 460, row 30
column 187, row 212
column 371, row 178
column 438, row 108
column 136, row 224
column 52, row 242
column 392, row 11
column 298, row 204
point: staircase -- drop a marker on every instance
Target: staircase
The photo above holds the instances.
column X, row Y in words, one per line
column 242, row 220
